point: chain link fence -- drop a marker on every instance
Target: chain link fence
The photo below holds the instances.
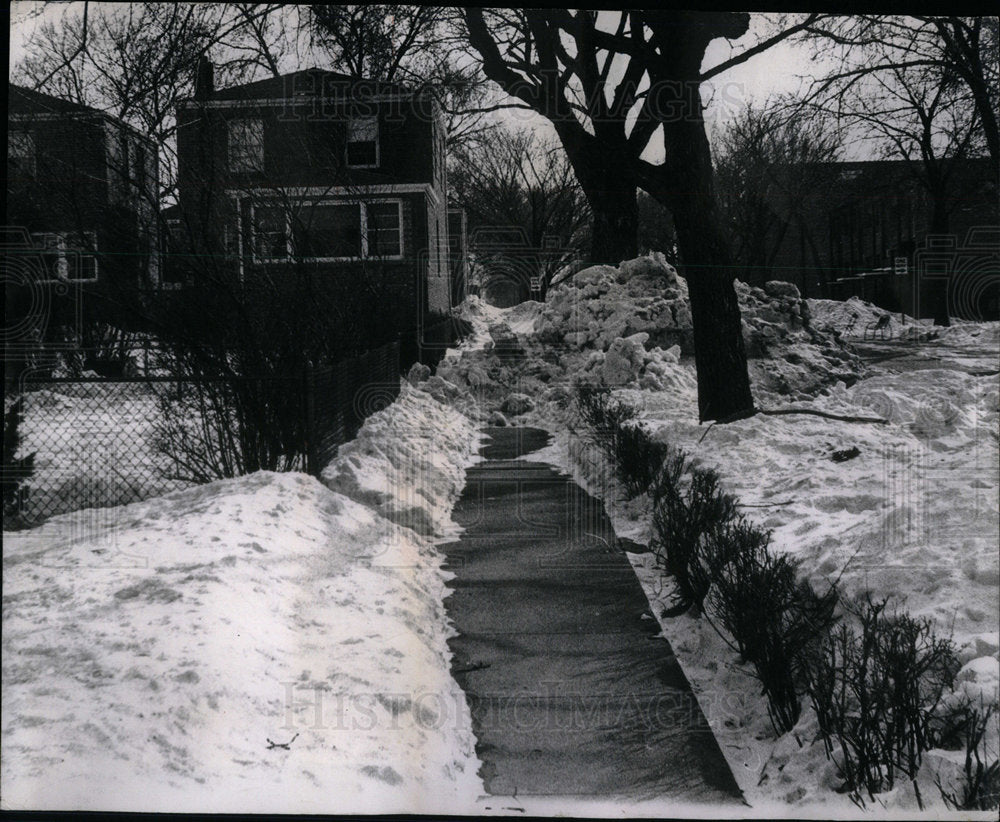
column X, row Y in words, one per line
column 101, row 442
column 106, row 442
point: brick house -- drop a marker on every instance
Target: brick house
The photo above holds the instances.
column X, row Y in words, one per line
column 319, row 174
column 82, row 191
column 869, row 221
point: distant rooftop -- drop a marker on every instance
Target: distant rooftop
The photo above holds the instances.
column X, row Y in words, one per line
column 28, row 102
column 21, row 100
column 306, row 82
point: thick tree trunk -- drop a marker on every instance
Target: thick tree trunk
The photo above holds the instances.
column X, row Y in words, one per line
column 719, row 351
column 612, row 194
column 686, row 186
column 616, row 225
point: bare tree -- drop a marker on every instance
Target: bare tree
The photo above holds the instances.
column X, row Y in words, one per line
column 387, row 42
column 612, row 84
column 769, row 162
column 517, row 180
column 137, row 60
column 923, row 90
column 417, row 46
column 960, row 52
column 656, row 228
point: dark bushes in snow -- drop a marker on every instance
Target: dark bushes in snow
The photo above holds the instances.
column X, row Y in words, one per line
column 979, row 789
column 690, row 515
column 776, row 619
column 633, row 455
column 16, row 470
column 876, row 684
column 875, row 679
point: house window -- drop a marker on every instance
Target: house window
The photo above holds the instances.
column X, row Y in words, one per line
column 362, row 141
column 329, row 230
column 67, row 257
column 20, row 153
column 385, row 233
column 270, row 233
column 140, row 167
column 246, row 145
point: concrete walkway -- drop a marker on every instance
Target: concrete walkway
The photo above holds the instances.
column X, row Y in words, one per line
column 572, row 691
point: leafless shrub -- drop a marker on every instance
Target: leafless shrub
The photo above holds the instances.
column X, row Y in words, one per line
column 980, row 786
column 876, row 686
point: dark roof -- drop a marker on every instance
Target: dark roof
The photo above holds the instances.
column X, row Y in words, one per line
column 311, row 81
column 22, row 100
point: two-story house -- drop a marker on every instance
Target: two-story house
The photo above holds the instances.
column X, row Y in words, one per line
column 317, row 173
column 82, row 192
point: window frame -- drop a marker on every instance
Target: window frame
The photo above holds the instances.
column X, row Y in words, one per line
column 378, row 142
column 365, row 256
column 365, row 239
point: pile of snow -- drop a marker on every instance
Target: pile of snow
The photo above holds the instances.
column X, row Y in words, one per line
column 982, row 335
column 601, row 305
column 853, row 317
column 631, row 326
column 401, row 465
column 789, row 357
column 258, row 644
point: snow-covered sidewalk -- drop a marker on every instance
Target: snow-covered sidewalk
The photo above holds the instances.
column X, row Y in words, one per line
column 260, row 644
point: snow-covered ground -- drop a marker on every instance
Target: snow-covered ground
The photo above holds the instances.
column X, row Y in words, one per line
column 277, row 643
column 259, row 644
column 914, row 515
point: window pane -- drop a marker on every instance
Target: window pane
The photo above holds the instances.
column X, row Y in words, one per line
column 361, row 154
column 384, row 236
column 271, row 233
column 362, row 129
column 246, row 145
column 329, row 231
column 362, row 141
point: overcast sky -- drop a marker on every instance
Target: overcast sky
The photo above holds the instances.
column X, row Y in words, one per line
column 776, row 71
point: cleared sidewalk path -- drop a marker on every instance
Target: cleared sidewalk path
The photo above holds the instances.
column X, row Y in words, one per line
column 572, row 691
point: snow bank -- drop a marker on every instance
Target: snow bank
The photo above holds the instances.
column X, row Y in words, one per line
column 853, row 316
column 985, row 335
column 258, row 644
column 631, row 325
column 408, row 462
